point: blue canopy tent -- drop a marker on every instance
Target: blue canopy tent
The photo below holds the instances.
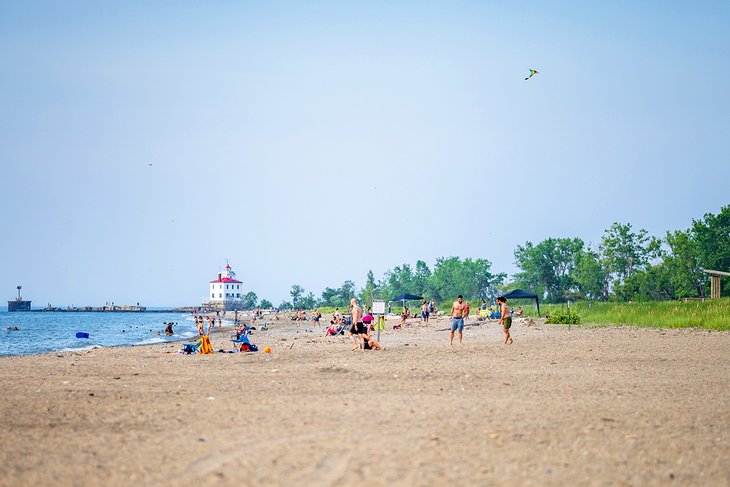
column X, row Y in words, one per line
column 520, row 294
column 407, row 297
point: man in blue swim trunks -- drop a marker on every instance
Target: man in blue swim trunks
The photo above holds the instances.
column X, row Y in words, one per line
column 457, row 318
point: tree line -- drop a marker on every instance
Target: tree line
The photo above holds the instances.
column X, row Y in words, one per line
column 626, row 265
column 449, row 277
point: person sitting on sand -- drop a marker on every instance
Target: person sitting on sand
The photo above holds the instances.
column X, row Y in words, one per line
column 505, row 320
column 519, row 311
column 404, row 316
column 359, row 333
column 368, row 319
column 369, row 343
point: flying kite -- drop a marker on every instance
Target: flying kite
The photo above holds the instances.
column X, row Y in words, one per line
column 532, row 73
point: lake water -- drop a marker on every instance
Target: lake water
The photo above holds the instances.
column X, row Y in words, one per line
column 53, row 331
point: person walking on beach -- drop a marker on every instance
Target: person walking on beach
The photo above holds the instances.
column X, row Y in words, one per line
column 424, row 312
column 299, row 317
column 505, row 320
column 457, row 319
column 356, row 319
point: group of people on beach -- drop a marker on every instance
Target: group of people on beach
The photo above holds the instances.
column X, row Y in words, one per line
column 460, row 310
column 200, row 322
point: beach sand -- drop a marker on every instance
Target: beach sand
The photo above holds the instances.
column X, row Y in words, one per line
column 590, row 406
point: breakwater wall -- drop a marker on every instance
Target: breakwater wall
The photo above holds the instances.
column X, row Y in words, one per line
column 110, row 309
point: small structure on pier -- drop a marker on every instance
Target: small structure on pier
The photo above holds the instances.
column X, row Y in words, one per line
column 19, row 304
column 715, row 282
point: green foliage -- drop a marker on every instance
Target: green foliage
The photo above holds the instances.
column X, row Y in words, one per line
column 712, row 240
column 563, row 319
column 628, row 265
column 266, row 304
column 711, row 314
column 549, row 267
column 250, row 300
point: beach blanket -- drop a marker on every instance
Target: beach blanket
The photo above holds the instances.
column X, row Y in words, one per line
column 205, row 346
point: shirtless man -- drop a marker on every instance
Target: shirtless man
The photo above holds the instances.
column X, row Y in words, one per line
column 505, row 320
column 299, row 317
column 457, row 318
column 356, row 318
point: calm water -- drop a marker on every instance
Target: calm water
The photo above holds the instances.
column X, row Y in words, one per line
column 46, row 332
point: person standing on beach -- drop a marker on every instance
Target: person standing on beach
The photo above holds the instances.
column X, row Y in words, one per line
column 457, row 318
column 505, row 320
column 356, row 319
column 299, row 317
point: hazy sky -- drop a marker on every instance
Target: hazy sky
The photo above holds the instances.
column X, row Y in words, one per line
column 310, row 141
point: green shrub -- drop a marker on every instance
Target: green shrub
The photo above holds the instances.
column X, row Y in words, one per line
column 563, row 319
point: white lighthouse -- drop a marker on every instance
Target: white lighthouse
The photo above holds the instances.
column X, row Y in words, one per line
column 226, row 290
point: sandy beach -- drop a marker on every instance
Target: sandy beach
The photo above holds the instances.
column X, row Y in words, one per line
column 589, row 406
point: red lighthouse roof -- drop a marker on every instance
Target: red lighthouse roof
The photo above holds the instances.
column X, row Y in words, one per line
column 226, row 280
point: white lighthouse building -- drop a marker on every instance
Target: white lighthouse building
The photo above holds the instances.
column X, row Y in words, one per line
column 226, row 290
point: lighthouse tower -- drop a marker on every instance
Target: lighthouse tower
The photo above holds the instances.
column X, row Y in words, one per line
column 225, row 291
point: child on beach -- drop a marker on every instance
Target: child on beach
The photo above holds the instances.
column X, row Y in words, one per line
column 505, row 320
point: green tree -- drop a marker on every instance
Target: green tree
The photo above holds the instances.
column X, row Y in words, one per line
column 421, row 279
column 308, row 301
column 330, row 297
column 346, row 293
column 368, row 292
column 250, row 300
column 296, row 293
column 548, row 267
column 266, row 304
column 712, row 237
column 590, row 276
column 481, row 283
column 625, row 252
column 399, row 280
column 684, row 265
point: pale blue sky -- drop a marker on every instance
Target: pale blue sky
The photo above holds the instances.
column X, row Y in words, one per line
column 421, row 106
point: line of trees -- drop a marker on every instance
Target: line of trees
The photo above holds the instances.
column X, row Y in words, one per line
column 449, row 277
column 627, row 264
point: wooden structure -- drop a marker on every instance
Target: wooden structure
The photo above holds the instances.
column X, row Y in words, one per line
column 715, row 282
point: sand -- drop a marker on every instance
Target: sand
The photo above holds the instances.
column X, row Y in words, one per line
column 590, row 406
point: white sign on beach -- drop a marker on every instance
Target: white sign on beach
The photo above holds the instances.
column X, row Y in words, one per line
column 378, row 307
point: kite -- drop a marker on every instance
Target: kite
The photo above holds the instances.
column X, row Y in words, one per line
column 532, row 73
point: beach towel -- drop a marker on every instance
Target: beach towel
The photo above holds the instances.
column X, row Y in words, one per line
column 205, row 346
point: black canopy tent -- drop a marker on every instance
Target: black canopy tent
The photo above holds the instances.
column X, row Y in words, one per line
column 520, row 294
column 407, row 297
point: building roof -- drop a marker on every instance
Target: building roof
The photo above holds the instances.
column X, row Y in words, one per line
column 716, row 273
column 226, row 280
